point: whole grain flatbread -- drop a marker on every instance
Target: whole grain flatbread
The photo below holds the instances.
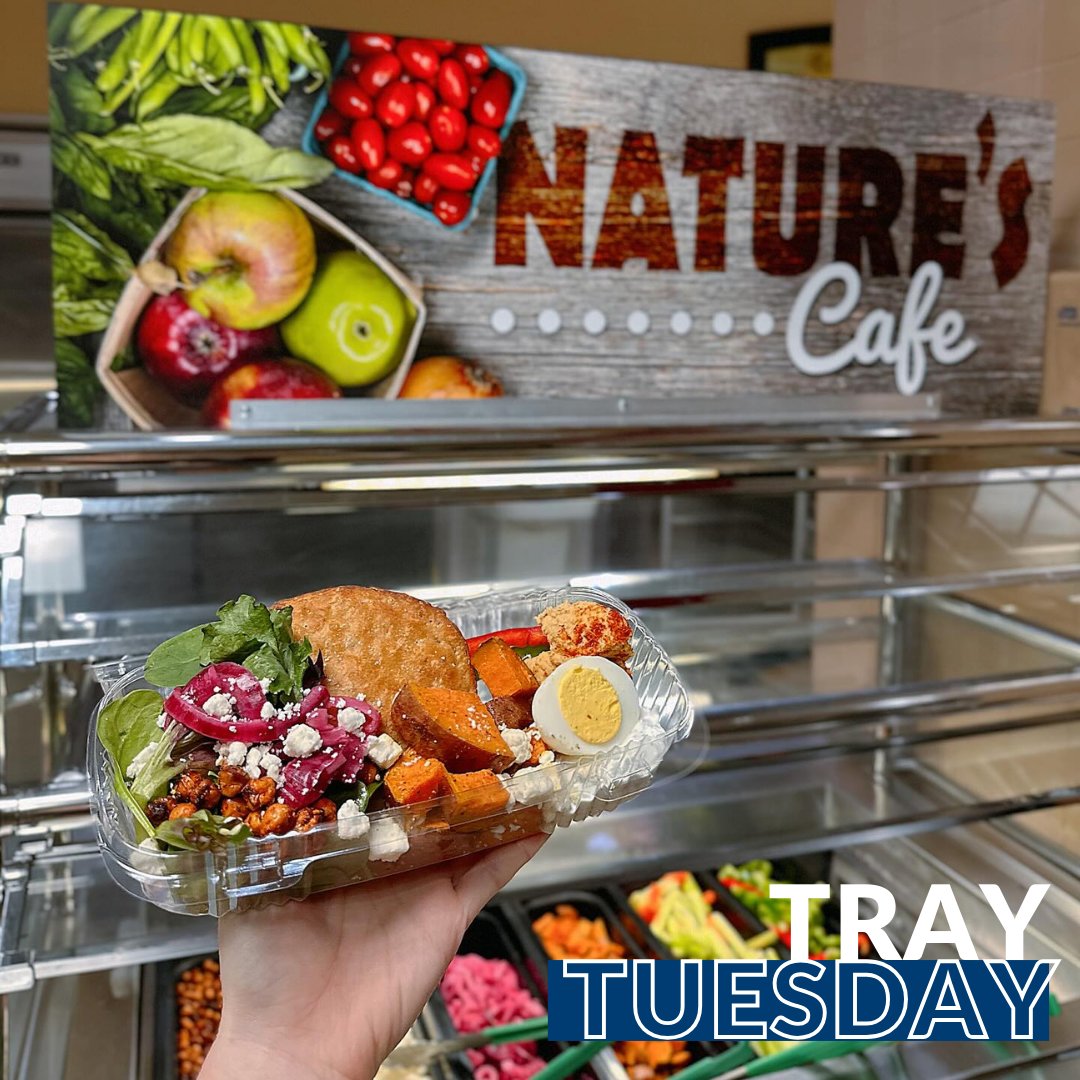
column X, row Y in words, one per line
column 373, row 641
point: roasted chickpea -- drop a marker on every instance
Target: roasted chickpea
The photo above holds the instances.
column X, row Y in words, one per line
column 234, row 808
column 211, row 796
column 327, row 808
column 254, row 822
column 231, row 780
column 261, row 792
column 188, row 786
column 182, row 810
column 369, row 773
column 279, row 818
column 307, row 817
column 158, row 810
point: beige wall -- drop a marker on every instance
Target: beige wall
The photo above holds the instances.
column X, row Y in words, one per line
column 1026, row 48
column 686, row 31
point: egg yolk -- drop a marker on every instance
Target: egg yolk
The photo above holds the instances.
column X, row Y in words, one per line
column 590, row 705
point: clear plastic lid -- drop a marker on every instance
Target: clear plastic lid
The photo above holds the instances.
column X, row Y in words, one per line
column 276, row 868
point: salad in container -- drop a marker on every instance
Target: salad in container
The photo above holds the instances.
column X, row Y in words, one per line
column 352, row 733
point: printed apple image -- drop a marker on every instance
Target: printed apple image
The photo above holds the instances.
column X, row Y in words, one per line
column 283, row 379
column 449, row 377
column 244, row 258
column 353, row 323
column 188, row 352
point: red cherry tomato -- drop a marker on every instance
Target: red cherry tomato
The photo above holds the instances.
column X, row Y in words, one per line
column 387, row 175
column 477, row 163
column 410, row 144
column 451, row 207
column 443, row 46
column 425, row 101
column 350, row 100
column 340, row 150
column 425, row 189
column 451, row 170
column 370, row 143
column 403, row 189
column 492, row 101
column 330, row 122
column 418, row 58
column 378, row 72
column 483, row 141
column 475, row 82
column 474, row 58
column 395, row 103
column 448, row 127
column 352, row 66
column 452, row 83
column 371, row 44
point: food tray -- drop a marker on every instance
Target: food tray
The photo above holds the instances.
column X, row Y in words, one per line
column 488, row 936
column 165, row 1020
column 147, row 403
column 272, row 870
column 498, row 60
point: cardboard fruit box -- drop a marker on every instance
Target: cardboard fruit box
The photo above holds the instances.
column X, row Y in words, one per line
column 148, row 403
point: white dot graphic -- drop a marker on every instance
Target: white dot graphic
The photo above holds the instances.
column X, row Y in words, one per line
column 764, row 324
column 638, row 323
column 549, row 321
column 594, row 321
column 681, row 322
column 722, row 324
column 503, row 320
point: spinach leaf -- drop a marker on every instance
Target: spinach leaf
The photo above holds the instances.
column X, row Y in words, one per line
column 78, row 385
column 245, row 632
column 153, row 777
column 78, row 162
column 206, row 151
column 127, row 725
column 177, row 660
column 202, row 831
column 74, row 316
column 82, row 248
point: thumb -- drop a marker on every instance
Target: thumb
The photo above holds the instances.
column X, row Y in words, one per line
column 485, row 875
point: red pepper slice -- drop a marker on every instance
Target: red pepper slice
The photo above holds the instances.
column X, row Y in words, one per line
column 518, row 637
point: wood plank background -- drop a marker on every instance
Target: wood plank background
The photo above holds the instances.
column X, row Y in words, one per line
column 607, row 97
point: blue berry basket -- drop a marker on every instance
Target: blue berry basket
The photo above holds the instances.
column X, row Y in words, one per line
column 498, row 60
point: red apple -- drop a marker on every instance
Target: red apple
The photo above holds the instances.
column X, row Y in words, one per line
column 245, row 258
column 187, row 351
column 289, row 379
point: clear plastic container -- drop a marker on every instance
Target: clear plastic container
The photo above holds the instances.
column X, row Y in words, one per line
column 277, row 868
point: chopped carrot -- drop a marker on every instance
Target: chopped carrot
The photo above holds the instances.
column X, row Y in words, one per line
column 567, row 935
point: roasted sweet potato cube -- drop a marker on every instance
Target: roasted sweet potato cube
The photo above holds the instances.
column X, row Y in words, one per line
column 510, row 712
column 451, row 725
column 504, row 671
column 476, row 795
column 413, row 779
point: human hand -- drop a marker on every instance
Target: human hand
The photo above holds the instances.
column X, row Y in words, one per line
column 327, row 987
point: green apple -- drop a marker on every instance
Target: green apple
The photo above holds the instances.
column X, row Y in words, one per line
column 244, row 258
column 353, row 323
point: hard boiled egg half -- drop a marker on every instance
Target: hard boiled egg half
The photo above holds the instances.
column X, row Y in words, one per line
column 586, row 705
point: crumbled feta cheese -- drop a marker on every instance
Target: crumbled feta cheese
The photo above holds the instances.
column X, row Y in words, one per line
column 251, row 763
column 218, row 705
column 302, row 741
column 547, row 757
column 388, row 841
column 533, row 784
column 383, row 751
column 268, row 712
column 162, row 719
column 353, row 823
column 265, row 684
column 231, row 753
column 140, row 759
column 350, row 719
column 271, row 765
column 520, row 744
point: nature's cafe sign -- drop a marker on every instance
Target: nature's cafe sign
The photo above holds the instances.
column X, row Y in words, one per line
column 649, row 230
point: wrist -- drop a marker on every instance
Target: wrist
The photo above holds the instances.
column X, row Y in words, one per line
column 234, row 1054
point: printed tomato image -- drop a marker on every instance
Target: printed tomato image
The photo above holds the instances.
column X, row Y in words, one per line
column 418, row 120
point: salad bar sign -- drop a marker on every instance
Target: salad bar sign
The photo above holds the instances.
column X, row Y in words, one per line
column 479, row 221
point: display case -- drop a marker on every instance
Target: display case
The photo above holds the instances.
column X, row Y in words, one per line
column 877, row 620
